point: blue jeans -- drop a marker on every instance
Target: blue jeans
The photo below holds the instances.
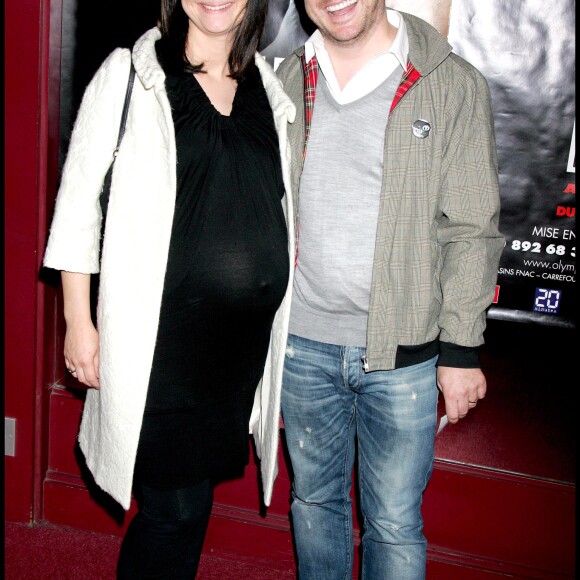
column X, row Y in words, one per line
column 331, row 408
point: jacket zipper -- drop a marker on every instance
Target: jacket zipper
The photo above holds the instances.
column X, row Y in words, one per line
column 365, row 363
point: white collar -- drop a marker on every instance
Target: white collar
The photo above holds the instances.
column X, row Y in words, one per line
column 372, row 74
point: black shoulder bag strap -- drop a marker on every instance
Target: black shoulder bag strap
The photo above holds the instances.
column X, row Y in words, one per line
column 106, row 190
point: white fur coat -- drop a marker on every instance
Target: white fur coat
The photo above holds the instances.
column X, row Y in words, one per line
column 135, row 254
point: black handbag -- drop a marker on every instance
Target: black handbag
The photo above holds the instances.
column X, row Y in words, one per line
column 106, row 189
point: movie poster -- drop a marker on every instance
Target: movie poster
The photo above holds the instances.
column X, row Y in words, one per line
column 526, row 51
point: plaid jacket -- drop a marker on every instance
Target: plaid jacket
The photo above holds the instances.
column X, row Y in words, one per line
column 438, row 245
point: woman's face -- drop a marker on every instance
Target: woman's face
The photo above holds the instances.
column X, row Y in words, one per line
column 214, row 17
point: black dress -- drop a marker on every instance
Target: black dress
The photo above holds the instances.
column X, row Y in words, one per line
column 227, row 273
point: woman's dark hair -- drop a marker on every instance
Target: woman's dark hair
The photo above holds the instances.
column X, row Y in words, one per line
column 174, row 24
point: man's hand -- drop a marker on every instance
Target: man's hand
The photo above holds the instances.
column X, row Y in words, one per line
column 462, row 389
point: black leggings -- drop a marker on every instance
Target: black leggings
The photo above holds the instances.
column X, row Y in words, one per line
column 165, row 538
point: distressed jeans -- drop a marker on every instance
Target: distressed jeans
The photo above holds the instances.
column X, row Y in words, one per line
column 332, row 409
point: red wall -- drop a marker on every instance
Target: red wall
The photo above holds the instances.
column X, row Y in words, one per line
column 25, row 84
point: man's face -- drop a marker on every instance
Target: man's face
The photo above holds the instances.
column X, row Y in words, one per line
column 345, row 22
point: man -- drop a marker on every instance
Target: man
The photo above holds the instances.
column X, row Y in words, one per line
column 395, row 166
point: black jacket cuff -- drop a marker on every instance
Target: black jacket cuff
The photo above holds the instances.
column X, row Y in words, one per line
column 454, row 355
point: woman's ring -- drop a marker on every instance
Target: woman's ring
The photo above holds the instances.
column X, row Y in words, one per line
column 474, row 402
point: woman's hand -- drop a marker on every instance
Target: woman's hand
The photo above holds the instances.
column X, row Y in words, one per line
column 81, row 341
column 81, row 353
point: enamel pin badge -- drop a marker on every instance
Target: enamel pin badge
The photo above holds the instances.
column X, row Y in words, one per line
column 421, row 129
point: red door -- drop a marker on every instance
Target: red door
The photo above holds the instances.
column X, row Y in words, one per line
column 26, row 193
